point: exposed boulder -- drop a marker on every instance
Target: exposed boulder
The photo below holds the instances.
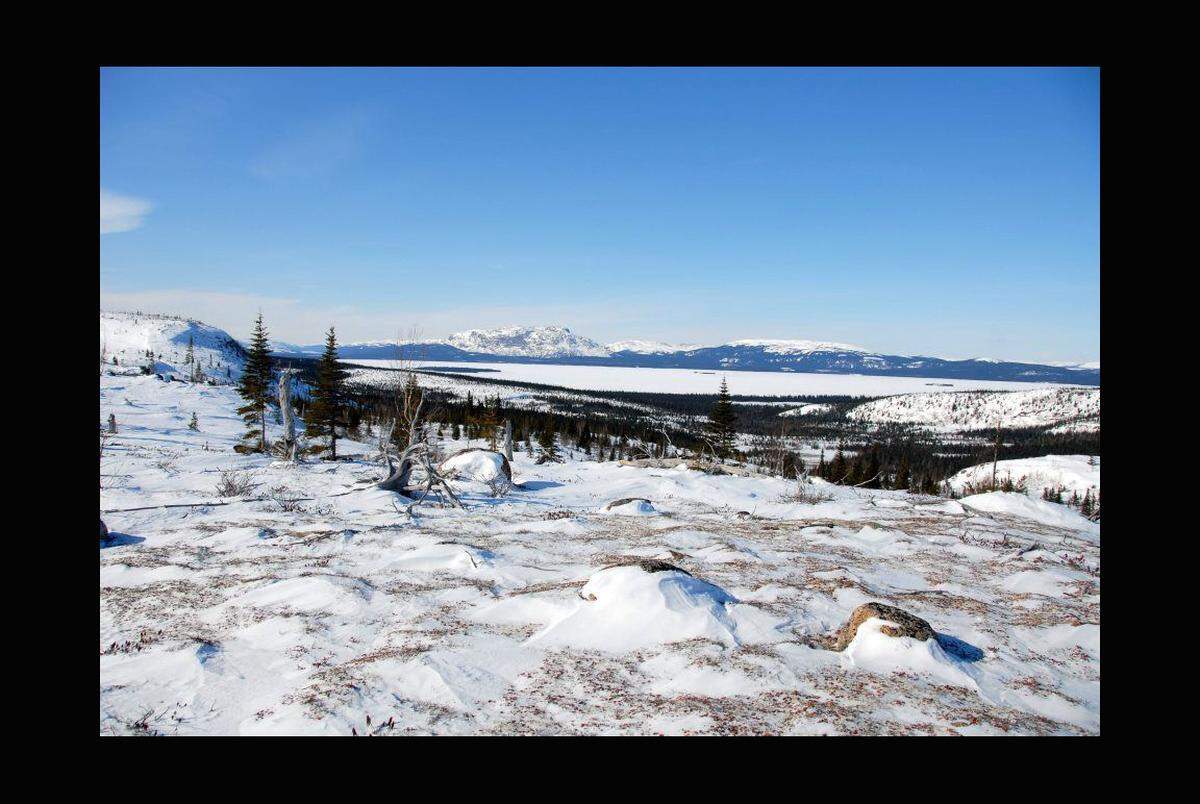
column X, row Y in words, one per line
column 898, row 623
column 103, row 531
column 627, row 501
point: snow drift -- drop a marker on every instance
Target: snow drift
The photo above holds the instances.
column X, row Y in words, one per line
column 626, row 607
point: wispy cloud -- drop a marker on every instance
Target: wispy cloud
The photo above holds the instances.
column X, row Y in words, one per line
column 315, row 150
column 122, row 213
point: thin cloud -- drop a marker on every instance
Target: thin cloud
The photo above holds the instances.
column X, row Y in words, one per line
column 316, row 150
column 122, row 213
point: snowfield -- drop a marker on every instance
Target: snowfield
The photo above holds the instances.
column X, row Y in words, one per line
column 704, row 381
column 311, row 604
column 958, row 411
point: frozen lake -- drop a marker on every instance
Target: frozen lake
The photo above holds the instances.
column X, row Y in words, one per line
column 697, row 381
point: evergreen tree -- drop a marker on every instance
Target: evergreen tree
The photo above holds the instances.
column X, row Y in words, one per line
column 255, row 388
column 548, row 445
column 721, row 421
column 324, row 414
column 194, row 424
column 189, row 359
column 838, row 469
column 903, row 474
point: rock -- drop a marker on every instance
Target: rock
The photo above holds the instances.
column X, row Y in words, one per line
column 650, row 565
column 901, row 624
column 103, row 531
column 625, row 501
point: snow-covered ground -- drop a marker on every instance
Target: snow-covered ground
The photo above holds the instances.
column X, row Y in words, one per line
column 1072, row 473
column 696, row 381
column 956, row 411
column 313, row 605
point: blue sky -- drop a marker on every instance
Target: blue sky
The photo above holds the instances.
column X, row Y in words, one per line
column 914, row 211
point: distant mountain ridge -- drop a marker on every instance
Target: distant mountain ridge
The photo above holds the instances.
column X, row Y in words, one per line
column 557, row 344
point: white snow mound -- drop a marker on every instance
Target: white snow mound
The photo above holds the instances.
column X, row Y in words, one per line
column 633, row 608
column 873, row 650
column 479, row 465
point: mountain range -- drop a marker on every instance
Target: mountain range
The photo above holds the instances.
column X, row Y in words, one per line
column 556, row 344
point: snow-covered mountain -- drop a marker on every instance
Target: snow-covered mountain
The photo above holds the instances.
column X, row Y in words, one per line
column 542, row 342
column 798, row 347
column 559, row 345
column 127, row 337
column 640, row 347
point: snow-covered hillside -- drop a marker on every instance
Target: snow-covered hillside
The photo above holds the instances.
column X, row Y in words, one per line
column 1072, row 473
column 312, row 604
column 540, row 342
column 978, row 410
column 127, row 337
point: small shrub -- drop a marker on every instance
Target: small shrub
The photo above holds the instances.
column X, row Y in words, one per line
column 233, row 483
column 285, row 499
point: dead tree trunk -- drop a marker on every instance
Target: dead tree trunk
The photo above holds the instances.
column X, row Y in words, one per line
column 289, row 416
column 399, row 475
column 508, row 439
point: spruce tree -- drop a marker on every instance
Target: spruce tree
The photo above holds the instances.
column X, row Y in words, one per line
column 548, row 445
column 194, row 424
column 838, row 469
column 255, row 388
column 324, row 414
column 903, row 474
column 721, row 422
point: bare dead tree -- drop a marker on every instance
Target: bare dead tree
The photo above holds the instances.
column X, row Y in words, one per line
column 508, row 453
column 290, row 445
column 408, row 402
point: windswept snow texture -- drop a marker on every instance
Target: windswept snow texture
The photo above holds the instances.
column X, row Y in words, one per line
column 527, row 342
column 127, row 336
column 313, row 603
column 1071, row 473
column 980, row 411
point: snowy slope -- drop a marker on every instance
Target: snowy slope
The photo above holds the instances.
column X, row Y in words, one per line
column 540, row 342
column 127, row 336
column 1073, row 473
column 977, row 410
column 312, row 605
